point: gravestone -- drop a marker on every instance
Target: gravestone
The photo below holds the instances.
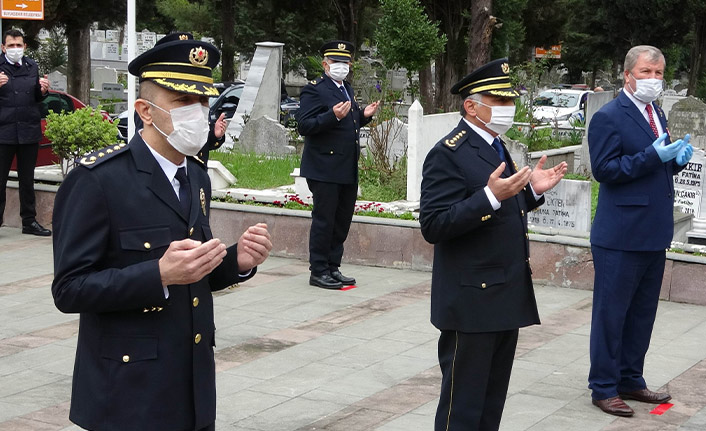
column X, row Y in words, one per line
column 112, row 36
column 689, row 186
column 101, row 75
column 594, row 102
column 689, row 116
column 112, row 91
column 58, row 81
column 567, row 206
column 264, row 136
column 668, row 100
column 261, row 94
column 395, row 131
column 99, row 35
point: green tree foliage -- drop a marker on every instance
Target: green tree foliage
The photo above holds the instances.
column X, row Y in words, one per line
column 51, row 53
column 78, row 133
column 406, row 37
column 510, row 34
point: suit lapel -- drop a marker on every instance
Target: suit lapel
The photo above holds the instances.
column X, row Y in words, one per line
column 484, row 150
column 154, row 176
column 636, row 115
column 195, row 193
column 334, row 89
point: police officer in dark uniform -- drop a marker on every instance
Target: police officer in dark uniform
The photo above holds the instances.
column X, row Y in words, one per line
column 330, row 120
column 217, row 129
column 134, row 254
column 474, row 206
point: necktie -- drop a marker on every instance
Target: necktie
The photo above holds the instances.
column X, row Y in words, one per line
column 499, row 148
column 652, row 120
column 345, row 93
column 184, row 191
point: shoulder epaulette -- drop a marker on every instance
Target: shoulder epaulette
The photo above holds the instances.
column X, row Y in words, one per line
column 317, row 81
column 199, row 161
column 99, row 156
column 452, row 140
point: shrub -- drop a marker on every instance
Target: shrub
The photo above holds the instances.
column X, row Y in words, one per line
column 78, row 133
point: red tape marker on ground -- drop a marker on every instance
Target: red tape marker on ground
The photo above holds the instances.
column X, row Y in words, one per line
column 349, row 287
column 661, row 408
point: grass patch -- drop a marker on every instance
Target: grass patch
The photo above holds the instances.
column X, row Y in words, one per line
column 258, row 171
column 379, row 186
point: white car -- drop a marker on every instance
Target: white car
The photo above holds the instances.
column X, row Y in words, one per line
column 560, row 106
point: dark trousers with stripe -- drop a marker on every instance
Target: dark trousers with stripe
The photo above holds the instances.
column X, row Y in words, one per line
column 475, row 372
column 330, row 223
column 625, row 298
column 26, row 159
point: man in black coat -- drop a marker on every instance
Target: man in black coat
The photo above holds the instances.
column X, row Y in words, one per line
column 474, row 206
column 21, row 90
column 330, row 120
column 134, row 254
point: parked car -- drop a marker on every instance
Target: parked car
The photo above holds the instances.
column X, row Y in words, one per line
column 227, row 102
column 56, row 101
column 560, row 105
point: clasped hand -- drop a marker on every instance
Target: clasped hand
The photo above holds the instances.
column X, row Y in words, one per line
column 679, row 150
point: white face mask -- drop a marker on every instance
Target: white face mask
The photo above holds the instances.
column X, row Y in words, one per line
column 648, row 89
column 501, row 118
column 338, row 71
column 14, row 54
column 190, row 128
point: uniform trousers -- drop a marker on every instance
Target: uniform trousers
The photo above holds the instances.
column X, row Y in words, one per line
column 26, row 160
column 475, row 370
column 330, row 222
column 625, row 297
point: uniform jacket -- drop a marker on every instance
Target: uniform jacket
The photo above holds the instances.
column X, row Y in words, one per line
column 481, row 279
column 636, row 195
column 19, row 103
column 331, row 147
column 142, row 361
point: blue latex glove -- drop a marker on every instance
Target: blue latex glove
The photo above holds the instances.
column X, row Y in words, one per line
column 686, row 152
column 667, row 152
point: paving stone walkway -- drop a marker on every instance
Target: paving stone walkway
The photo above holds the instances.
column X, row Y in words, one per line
column 291, row 357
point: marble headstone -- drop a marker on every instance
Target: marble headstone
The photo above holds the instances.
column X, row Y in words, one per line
column 566, row 206
column 689, row 116
column 264, row 135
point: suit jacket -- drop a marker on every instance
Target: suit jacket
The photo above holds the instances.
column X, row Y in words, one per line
column 481, row 278
column 331, row 147
column 636, row 199
column 19, row 103
column 142, row 361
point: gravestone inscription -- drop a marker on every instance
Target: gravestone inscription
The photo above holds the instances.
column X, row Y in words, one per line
column 566, row 206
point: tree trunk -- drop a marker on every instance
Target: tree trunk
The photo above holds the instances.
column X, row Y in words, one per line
column 228, row 47
column 348, row 12
column 78, row 42
column 451, row 64
column 698, row 57
column 426, row 90
column 480, row 34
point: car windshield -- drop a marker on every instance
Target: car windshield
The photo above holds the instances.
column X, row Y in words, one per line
column 556, row 100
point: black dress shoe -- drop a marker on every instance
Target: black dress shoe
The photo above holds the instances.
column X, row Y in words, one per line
column 325, row 281
column 348, row 281
column 647, row 396
column 614, row 406
column 36, row 229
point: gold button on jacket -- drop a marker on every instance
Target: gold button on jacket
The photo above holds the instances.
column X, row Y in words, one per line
column 197, row 338
column 196, row 301
column 126, row 358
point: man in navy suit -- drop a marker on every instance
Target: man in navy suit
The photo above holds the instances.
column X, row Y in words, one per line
column 473, row 209
column 330, row 120
column 135, row 256
column 634, row 161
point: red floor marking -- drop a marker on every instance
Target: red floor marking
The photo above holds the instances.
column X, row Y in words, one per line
column 661, row 408
column 349, row 287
